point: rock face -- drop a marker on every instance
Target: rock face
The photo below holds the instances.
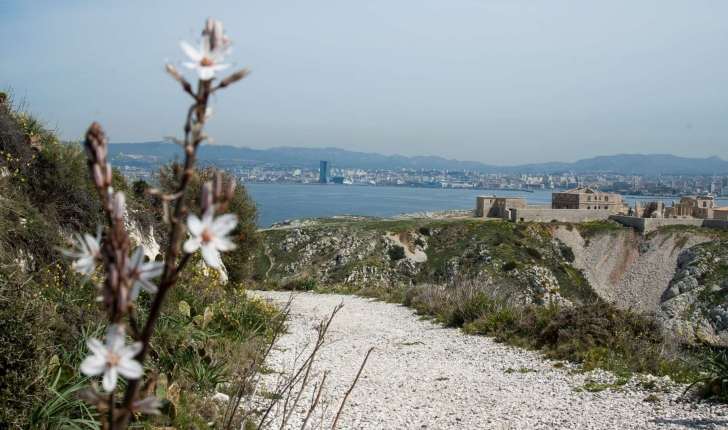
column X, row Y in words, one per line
column 695, row 305
column 542, row 287
column 628, row 269
column 324, row 253
column 521, row 259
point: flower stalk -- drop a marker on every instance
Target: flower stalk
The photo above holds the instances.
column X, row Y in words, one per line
column 127, row 274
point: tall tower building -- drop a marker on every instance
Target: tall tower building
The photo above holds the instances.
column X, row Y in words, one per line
column 324, row 172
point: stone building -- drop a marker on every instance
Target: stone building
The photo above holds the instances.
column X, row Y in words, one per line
column 649, row 210
column 587, row 198
column 497, row 207
column 483, row 205
column 692, row 207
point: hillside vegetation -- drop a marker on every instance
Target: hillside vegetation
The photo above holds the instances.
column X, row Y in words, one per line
column 209, row 330
column 569, row 290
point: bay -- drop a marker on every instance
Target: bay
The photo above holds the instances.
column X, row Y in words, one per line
column 281, row 202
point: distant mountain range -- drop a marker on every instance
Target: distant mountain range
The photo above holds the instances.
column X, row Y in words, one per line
column 151, row 152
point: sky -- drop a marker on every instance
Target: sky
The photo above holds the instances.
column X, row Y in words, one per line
column 500, row 82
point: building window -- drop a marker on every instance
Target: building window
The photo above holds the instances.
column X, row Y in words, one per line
column 588, row 207
column 705, row 204
column 606, row 199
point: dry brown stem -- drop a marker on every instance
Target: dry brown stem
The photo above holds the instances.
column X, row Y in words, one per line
column 353, row 384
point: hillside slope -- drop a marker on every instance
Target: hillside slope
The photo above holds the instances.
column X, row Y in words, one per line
column 362, row 253
column 525, row 262
column 626, row 268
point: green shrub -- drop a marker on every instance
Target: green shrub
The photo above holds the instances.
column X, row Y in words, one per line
column 470, row 310
column 507, row 267
column 567, row 253
column 396, row 252
column 714, row 382
column 207, row 373
column 46, row 314
column 425, row 231
column 534, row 253
column 594, row 334
column 306, row 284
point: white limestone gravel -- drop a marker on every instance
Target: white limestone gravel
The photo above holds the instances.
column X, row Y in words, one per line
column 424, row 376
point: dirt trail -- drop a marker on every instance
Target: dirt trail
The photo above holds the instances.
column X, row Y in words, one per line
column 424, row 376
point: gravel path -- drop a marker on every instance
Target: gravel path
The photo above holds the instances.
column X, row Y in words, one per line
column 424, row 376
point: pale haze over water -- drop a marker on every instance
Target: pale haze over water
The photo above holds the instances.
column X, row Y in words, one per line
column 499, row 82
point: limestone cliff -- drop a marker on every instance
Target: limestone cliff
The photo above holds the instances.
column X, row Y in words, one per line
column 626, row 268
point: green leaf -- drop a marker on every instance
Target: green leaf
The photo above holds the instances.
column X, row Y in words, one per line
column 53, row 366
column 67, row 372
column 184, row 308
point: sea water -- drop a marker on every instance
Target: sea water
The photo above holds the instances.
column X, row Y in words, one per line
column 283, row 202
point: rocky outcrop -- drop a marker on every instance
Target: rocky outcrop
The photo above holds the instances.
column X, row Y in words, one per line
column 695, row 305
column 627, row 268
column 542, row 287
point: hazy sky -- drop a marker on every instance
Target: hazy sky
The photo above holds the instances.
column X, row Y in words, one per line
column 502, row 82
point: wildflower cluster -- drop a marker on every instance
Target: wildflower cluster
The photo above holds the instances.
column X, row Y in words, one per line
column 12, row 165
column 126, row 273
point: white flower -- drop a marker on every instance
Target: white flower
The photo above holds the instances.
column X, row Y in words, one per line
column 87, row 254
column 112, row 359
column 209, row 234
column 206, row 59
column 142, row 272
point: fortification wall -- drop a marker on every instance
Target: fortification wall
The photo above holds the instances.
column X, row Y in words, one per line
column 646, row 225
column 560, row 215
column 715, row 223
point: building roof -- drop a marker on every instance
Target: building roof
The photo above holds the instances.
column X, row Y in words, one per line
column 723, row 209
column 583, row 190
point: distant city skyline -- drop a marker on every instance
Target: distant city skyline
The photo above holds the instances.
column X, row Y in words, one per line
column 501, row 83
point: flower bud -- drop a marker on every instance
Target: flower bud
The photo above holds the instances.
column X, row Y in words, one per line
column 101, row 153
column 206, row 196
column 98, row 177
column 240, row 74
column 95, row 143
column 119, row 205
column 174, row 72
column 213, row 29
column 230, row 189
column 217, row 185
column 109, row 174
column 113, row 275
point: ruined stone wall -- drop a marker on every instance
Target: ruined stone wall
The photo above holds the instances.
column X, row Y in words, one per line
column 722, row 215
column 560, row 215
column 646, row 225
column 502, row 205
